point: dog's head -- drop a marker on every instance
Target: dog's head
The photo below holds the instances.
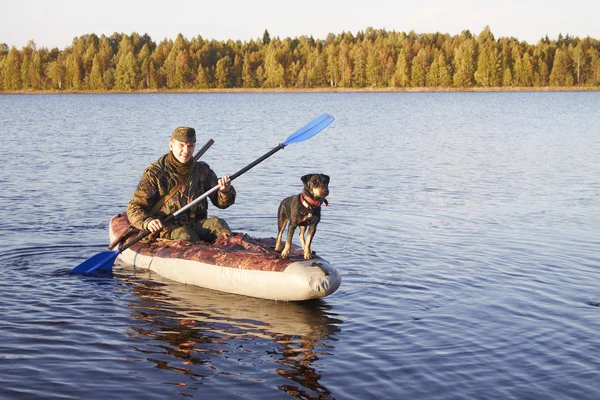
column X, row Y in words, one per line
column 316, row 185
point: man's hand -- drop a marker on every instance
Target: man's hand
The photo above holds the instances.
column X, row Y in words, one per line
column 224, row 184
column 155, row 225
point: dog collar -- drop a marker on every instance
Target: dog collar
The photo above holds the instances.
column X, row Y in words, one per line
column 305, row 199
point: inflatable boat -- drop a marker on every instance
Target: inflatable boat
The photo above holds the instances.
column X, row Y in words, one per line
column 239, row 264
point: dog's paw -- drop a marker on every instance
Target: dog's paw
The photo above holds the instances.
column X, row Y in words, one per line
column 285, row 253
column 308, row 255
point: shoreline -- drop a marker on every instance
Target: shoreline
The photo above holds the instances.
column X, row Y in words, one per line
column 318, row 90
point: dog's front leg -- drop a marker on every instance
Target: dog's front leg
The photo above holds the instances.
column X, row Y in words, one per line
column 312, row 229
column 301, row 236
column 282, row 226
column 285, row 253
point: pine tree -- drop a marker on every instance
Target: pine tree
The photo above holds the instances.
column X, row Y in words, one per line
column 359, row 77
column 144, row 62
column 485, row 36
column 126, row 72
column 168, row 69
column 88, row 57
column 25, row 66
column 35, row 71
column 108, row 79
column 401, row 74
column 259, row 75
column 105, row 54
column 223, row 72
column 561, row 74
column 464, row 64
column 266, row 39
column 507, row 78
column 345, row 67
column 201, row 81
column 274, row 72
column 580, row 63
column 487, row 74
column 318, row 73
column 373, row 67
column 438, row 74
column 153, row 76
column 248, row 80
column 96, row 75
column 333, row 69
column 12, row 67
column 182, row 69
column 419, row 69
column 543, row 73
column 237, row 71
column 56, row 71
column 74, row 72
column 527, row 71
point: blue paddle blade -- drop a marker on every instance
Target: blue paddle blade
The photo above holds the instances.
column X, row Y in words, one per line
column 101, row 261
column 310, row 129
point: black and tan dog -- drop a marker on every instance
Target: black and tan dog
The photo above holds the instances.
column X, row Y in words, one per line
column 301, row 211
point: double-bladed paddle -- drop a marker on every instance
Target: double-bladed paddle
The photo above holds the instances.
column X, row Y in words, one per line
column 106, row 259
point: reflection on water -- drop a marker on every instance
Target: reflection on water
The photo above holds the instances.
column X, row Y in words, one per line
column 183, row 327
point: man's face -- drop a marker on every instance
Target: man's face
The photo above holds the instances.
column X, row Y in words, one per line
column 183, row 151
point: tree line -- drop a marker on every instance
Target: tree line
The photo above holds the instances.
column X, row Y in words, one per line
column 372, row 58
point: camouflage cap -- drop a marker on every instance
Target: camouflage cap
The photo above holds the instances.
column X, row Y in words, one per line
column 184, row 134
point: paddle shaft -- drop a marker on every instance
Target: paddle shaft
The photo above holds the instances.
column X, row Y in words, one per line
column 232, row 177
column 203, row 149
column 172, row 216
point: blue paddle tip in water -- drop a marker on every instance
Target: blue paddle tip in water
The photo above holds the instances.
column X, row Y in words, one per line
column 99, row 262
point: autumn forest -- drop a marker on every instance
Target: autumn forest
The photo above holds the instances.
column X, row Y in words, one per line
column 372, row 59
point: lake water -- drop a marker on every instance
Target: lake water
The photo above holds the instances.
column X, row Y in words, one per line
column 466, row 227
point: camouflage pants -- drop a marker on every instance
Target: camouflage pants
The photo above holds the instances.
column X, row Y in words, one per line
column 207, row 230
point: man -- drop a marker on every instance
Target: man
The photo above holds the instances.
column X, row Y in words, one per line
column 173, row 181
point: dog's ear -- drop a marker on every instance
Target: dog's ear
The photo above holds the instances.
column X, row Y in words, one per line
column 305, row 178
column 325, row 179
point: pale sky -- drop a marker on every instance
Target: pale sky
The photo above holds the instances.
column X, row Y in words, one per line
column 54, row 23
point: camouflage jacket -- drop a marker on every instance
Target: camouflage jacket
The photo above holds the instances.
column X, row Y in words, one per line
column 157, row 182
